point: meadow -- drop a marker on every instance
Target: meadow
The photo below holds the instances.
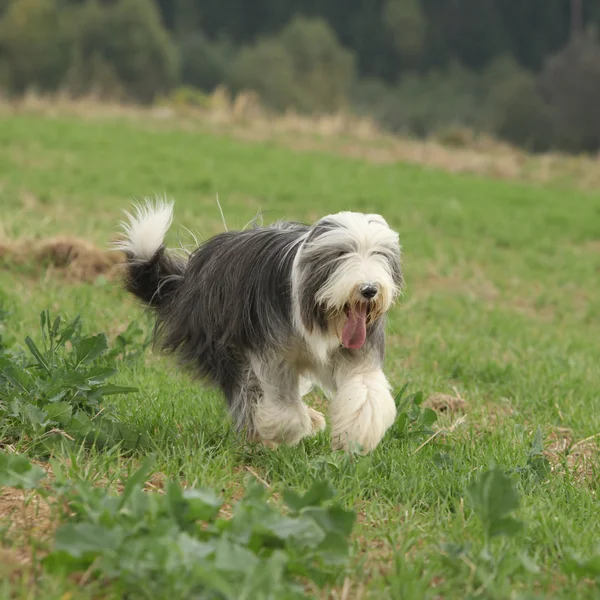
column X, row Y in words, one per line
column 489, row 492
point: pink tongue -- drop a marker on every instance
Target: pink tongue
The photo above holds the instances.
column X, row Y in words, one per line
column 354, row 332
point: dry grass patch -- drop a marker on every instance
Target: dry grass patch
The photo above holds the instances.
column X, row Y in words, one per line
column 578, row 458
column 343, row 133
column 73, row 258
column 446, row 403
column 29, row 525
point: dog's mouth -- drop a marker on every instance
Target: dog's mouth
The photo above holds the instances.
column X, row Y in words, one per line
column 354, row 331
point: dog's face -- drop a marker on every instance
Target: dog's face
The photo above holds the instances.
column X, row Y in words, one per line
column 347, row 275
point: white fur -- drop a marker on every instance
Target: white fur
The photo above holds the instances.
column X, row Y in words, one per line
column 282, row 422
column 362, row 410
column 145, row 230
column 306, row 385
column 373, row 239
column 281, row 418
column 320, row 345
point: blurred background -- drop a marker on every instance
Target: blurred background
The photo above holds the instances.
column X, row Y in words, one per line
column 524, row 71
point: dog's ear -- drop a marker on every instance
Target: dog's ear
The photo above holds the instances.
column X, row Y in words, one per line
column 377, row 219
column 319, row 228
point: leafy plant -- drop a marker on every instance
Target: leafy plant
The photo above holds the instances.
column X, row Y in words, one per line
column 152, row 545
column 59, row 387
column 537, row 465
column 581, row 567
column 130, row 345
column 493, row 497
column 412, row 419
column 16, row 471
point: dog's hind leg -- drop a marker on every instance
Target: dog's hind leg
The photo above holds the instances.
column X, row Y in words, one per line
column 280, row 415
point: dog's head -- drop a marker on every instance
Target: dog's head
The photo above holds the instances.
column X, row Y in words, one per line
column 347, row 275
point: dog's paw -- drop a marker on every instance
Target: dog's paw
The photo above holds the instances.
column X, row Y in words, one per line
column 317, row 420
column 363, row 410
column 364, row 435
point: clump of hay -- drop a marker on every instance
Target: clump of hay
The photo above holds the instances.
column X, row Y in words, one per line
column 579, row 458
column 445, row 403
column 76, row 259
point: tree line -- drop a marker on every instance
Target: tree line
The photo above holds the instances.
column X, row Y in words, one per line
column 526, row 71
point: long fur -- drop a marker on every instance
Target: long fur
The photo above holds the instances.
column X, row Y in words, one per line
column 261, row 313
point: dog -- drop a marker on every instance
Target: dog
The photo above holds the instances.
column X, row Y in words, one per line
column 267, row 312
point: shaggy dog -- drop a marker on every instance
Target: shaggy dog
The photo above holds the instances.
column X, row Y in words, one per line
column 266, row 312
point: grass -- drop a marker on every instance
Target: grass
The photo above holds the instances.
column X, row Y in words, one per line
column 501, row 308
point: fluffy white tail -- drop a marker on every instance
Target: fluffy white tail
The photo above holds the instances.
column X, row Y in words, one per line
column 145, row 229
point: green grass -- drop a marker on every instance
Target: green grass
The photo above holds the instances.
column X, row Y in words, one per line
column 502, row 305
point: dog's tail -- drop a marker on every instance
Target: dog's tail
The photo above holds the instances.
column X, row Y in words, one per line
column 153, row 274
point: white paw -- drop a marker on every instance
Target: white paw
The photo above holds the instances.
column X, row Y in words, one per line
column 281, row 422
column 362, row 411
column 317, row 420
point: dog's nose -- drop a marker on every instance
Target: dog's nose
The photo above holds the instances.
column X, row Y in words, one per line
column 368, row 290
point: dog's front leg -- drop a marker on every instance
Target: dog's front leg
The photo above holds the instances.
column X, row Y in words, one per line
column 362, row 409
column 280, row 415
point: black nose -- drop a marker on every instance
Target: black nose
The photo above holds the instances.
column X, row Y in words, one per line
column 368, row 291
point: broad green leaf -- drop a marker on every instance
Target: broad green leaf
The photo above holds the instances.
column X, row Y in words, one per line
column 203, row 504
column 540, row 465
column 90, row 348
column 319, row 492
column 18, row 378
column 332, row 519
column 588, row 567
column 55, row 326
column 99, row 374
column 79, row 539
column 63, row 563
column 81, row 424
column 537, row 445
column 304, row 532
column 58, row 396
column 505, row 526
column 528, row 563
column 37, row 354
column 429, row 417
column 16, row 471
column 60, row 412
column 334, row 549
column 72, row 379
column 137, row 478
column 234, row 558
column 401, row 424
column 110, row 389
column 35, row 416
column 493, row 496
column 129, row 437
column 193, row 549
column 418, row 399
column 67, row 333
column 399, row 399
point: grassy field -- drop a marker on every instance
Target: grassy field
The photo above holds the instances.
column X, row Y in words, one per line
column 500, row 319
